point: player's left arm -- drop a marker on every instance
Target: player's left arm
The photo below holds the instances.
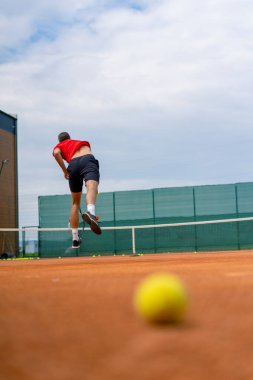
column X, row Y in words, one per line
column 59, row 159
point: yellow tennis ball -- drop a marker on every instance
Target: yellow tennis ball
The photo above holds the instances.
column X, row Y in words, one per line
column 161, row 298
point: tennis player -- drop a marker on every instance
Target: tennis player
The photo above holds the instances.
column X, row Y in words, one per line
column 82, row 166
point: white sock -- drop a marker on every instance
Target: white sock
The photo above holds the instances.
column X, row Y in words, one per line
column 91, row 209
column 75, row 233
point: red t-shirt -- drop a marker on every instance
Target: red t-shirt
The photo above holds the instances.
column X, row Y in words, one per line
column 69, row 147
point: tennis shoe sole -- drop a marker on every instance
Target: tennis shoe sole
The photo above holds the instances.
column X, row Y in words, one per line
column 92, row 221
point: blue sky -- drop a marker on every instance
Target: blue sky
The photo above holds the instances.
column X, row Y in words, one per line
column 161, row 89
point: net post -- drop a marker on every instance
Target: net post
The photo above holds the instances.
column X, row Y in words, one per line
column 195, row 219
column 114, row 223
column 133, row 240
column 154, row 218
column 237, row 215
column 23, row 241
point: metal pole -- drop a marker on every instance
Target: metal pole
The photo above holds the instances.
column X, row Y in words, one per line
column 195, row 227
column 114, row 223
column 3, row 162
column 237, row 214
column 133, row 240
column 1, row 168
column 154, row 218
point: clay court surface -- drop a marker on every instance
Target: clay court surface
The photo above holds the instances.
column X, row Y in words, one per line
column 73, row 319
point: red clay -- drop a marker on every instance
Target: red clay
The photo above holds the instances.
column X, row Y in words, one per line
column 73, row 319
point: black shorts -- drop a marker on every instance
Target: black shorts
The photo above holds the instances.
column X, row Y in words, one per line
column 82, row 169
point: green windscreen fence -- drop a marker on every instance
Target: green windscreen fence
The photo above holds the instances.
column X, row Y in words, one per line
column 154, row 207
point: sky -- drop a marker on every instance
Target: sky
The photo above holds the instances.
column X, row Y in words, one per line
column 161, row 89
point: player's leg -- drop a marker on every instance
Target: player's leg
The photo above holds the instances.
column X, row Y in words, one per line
column 90, row 215
column 74, row 218
column 91, row 195
column 91, row 176
column 76, row 187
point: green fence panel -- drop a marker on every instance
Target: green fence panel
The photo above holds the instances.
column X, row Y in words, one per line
column 134, row 207
column 156, row 206
column 173, row 205
column 245, row 209
column 215, row 202
column 54, row 211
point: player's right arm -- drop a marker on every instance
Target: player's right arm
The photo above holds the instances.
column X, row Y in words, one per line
column 59, row 159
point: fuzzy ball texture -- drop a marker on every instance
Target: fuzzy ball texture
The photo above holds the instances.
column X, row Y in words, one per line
column 161, row 298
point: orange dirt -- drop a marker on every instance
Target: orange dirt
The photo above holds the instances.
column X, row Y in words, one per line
column 73, row 318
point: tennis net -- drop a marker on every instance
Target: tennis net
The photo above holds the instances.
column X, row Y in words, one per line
column 193, row 236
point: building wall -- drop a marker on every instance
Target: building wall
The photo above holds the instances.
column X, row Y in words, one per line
column 8, row 182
